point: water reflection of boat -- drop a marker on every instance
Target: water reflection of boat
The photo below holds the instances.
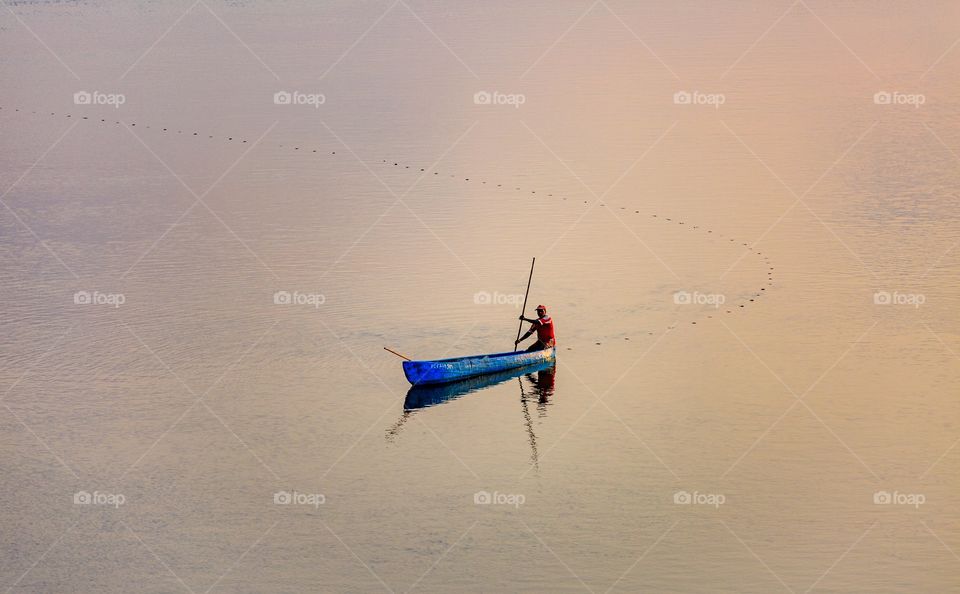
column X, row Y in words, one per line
column 540, row 377
column 432, row 394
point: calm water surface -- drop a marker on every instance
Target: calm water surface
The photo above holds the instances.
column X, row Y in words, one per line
column 755, row 295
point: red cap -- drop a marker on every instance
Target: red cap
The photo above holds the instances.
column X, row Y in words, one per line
column 543, row 307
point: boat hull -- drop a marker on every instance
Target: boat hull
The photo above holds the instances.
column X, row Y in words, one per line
column 451, row 370
column 422, row 396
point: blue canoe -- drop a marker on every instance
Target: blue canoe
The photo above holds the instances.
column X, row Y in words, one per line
column 458, row 368
column 422, row 396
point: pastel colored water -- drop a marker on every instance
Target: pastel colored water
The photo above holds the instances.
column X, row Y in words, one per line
column 798, row 436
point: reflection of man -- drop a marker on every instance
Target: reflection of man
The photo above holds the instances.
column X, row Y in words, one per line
column 544, row 382
column 543, row 326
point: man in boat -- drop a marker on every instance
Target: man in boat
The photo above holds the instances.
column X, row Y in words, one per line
column 543, row 326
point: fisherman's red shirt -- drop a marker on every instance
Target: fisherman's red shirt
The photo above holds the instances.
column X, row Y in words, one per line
column 544, row 327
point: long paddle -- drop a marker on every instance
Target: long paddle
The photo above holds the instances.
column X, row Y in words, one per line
column 524, row 312
column 398, row 354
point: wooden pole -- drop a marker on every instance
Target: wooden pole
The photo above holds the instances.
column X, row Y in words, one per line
column 524, row 311
column 397, row 354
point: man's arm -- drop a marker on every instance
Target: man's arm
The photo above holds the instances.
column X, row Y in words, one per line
column 532, row 329
column 525, row 336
